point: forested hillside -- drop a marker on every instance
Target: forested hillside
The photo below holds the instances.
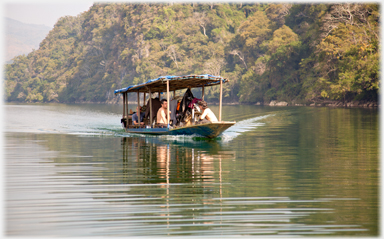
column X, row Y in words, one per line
column 290, row 52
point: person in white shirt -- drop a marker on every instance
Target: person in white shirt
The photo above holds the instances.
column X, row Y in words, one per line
column 206, row 113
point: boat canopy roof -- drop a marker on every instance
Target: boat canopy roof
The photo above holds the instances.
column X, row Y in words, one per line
column 175, row 83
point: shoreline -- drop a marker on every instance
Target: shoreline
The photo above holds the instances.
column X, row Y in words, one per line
column 333, row 104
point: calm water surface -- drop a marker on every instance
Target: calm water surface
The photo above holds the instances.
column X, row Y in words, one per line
column 70, row 170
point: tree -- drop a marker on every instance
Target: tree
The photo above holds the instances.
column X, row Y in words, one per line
column 349, row 57
column 202, row 20
column 312, row 52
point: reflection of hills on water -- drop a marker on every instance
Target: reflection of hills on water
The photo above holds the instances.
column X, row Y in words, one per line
column 159, row 160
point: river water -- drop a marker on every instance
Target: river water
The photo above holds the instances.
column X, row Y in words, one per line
column 70, row 170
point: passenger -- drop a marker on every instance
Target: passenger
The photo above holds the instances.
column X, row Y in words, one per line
column 206, row 113
column 135, row 119
column 161, row 118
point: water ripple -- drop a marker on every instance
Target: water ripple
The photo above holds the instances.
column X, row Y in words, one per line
column 294, row 180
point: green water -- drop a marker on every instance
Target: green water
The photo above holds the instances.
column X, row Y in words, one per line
column 70, row 170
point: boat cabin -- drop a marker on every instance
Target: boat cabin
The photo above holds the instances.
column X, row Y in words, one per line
column 182, row 112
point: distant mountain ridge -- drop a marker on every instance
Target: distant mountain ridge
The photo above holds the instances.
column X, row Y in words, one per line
column 22, row 38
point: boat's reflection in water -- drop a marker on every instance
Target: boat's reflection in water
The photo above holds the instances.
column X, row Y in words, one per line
column 164, row 161
column 183, row 178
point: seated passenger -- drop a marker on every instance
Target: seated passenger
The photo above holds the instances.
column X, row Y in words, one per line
column 161, row 118
column 135, row 119
column 206, row 113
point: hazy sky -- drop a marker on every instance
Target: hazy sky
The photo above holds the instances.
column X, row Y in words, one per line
column 43, row 12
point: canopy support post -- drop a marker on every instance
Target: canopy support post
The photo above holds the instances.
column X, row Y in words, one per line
column 145, row 94
column 126, row 102
column 138, row 108
column 123, row 105
column 221, row 99
column 168, row 103
column 150, row 107
column 202, row 93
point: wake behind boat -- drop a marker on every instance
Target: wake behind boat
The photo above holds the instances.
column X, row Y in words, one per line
column 182, row 113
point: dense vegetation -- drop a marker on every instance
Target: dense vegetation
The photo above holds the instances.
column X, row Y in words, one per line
column 291, row 52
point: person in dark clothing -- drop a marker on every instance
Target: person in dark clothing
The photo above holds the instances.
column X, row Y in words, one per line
column 135, row 118
column 187, row 99
column 185, row 110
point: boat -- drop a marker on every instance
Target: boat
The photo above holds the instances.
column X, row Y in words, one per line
column 184, row 116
